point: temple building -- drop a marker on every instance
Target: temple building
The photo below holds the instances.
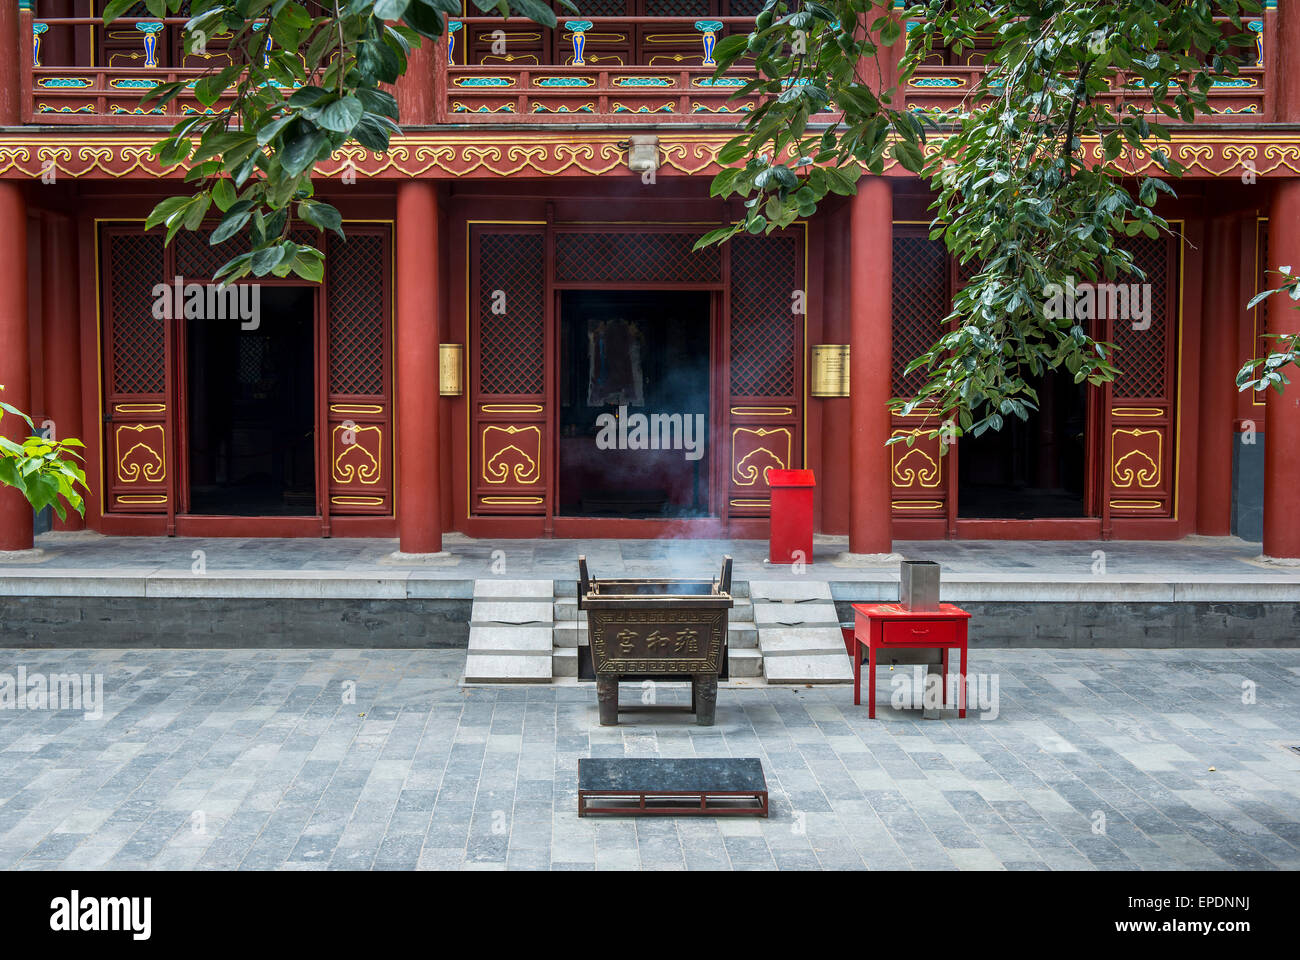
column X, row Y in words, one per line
column 517, row 338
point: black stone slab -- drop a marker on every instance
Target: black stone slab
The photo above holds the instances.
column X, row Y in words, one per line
column 687, row 774
column 695, row 786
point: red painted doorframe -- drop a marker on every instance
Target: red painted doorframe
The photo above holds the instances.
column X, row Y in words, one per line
column 187, row 524
column 1098, row 525
column 97, row 312
column 715, row 524
column 464, row 288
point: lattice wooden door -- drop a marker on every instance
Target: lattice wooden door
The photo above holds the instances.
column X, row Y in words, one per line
column 139, row 475
column 140, row 396
column 509, row 431
column 920, row 475
column 765, row 349
column 1140, row 448
column 358, row 373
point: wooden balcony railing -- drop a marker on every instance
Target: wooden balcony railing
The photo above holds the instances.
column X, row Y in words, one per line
column 630, row 69
column 948, row 86
column 602, row 69
column 127, row 60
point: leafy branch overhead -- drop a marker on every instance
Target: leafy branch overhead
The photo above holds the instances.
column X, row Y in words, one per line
column 1021, row 201
column 300, row 85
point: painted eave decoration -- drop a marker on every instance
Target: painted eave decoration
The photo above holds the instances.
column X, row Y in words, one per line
column 597, row 153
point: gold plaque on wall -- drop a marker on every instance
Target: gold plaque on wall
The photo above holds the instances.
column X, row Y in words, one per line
column 830, row 370
column 450, row 365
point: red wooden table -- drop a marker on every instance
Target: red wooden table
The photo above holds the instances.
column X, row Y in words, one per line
column 881, row 625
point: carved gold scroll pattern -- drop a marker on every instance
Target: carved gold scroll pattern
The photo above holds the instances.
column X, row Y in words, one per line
column 141, row 452
column 356, row 453
column 756, row 450
column 1136, row 458
column 511, row 454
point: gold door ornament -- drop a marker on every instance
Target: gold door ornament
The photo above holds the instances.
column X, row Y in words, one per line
column 914, row 465
column 516, row 454
column 1137, row 458
column 356, row 453
column 767, row 448
column 141, row 453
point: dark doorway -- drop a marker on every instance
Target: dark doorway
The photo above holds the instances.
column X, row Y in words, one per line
column 634, row 403
column 1030, row 469
column 251, row 419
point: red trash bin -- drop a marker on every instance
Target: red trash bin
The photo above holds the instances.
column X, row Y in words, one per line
column 792, row 515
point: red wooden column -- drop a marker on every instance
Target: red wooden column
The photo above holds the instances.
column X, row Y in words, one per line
column 1282, row 426
column 871, row 269
column 15, row 371
column 419, row 525
column 1223, row 305
column 62, row 339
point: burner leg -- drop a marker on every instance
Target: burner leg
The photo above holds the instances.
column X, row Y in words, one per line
column 607, row 695
column 704, row 691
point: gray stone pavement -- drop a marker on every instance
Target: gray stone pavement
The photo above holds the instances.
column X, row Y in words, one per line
column 255, row 759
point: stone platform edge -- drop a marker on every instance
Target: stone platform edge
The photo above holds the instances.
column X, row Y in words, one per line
column 428, row 585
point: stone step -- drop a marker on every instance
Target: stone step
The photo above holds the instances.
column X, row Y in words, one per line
column 811, row 668
column 533, row 590
column 486, row 668
column 744, row 663
column 742, row 636
column 801, row 641
column 488, row 612
column 803, row 652
column 791, row 614
column 564, row 662
column 505, row 653
column 789, row 591
column 568, row 633
column 504, row 640
column 566, row 609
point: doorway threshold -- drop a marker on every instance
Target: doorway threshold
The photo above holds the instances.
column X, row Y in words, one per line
column 1073, row 528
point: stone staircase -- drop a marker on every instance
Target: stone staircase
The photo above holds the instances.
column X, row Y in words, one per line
column 787, row 631
column 744, row 660
column 510, row 632
column 798, row 632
